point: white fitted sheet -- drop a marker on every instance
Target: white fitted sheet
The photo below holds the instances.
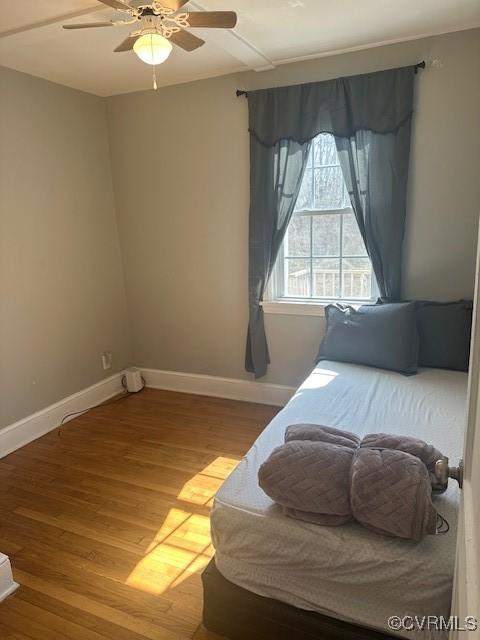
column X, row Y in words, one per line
column 346, row 572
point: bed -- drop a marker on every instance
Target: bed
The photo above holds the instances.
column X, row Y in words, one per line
column 346, row 573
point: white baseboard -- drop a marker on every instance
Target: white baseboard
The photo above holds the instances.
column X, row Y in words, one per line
column 38, row 424
column 232, row 388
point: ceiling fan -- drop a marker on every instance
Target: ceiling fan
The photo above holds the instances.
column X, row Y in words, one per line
column 160, row 24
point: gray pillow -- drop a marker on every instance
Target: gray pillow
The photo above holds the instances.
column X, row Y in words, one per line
column 444, row 331
column 383, row 336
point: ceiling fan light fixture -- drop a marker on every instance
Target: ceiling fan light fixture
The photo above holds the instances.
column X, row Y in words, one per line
column 152, row 48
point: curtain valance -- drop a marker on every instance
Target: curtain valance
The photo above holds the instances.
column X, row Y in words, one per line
column 380, row 102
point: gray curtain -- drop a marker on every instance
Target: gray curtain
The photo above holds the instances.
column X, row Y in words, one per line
column 370, row 116
column 276, row 174
column 370, row 164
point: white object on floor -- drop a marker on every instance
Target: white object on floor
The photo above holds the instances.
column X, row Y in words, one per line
column 133, row 380
column 347, row 572
column 7, row 583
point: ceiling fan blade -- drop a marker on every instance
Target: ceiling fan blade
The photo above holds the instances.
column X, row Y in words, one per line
column 186, row 40
column 88, row 25
column 117, row 4
column 217, row 19
column 127, row 44
column 173, row 4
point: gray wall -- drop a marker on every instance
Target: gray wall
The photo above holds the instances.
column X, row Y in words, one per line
column 62, row 296
column 180, row 167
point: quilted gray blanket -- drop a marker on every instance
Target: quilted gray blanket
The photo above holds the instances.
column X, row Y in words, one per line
column 328, row 476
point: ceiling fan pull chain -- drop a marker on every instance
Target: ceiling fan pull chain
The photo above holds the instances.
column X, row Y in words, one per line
column 154, row 66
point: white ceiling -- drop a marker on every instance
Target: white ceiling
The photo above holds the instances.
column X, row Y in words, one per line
column 268, row 33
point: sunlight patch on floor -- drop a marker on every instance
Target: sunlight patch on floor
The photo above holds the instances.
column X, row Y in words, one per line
column 167, row 566
column 182, row 546
column 221, row 467
column 174, row 519
column 204, row 485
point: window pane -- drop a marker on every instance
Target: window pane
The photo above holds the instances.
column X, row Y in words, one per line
column 353, row 244
column 357, row 278
column 329, row 188
column 326, row 235
column 297, row 278
column 305, row 197
column 310, row 156
column 326, row 278
column 347, row 203
column 298, row 236
column 324, row 149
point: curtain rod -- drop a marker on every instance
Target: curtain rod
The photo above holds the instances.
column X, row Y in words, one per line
column 419, row 65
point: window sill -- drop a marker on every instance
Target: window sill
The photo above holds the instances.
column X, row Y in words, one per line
column 301, row 308
column 294, row 308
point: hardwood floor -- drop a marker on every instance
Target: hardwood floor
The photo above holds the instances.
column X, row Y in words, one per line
column 106, row 521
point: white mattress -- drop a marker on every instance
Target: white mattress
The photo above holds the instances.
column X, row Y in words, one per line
column 346, row 572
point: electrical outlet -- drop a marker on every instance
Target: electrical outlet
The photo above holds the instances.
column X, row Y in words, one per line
column 107, row 360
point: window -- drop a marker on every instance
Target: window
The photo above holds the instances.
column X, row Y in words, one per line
column 323, row 255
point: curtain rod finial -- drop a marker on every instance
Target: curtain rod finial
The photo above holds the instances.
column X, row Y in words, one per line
column 420, row 65
column 241, row 92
